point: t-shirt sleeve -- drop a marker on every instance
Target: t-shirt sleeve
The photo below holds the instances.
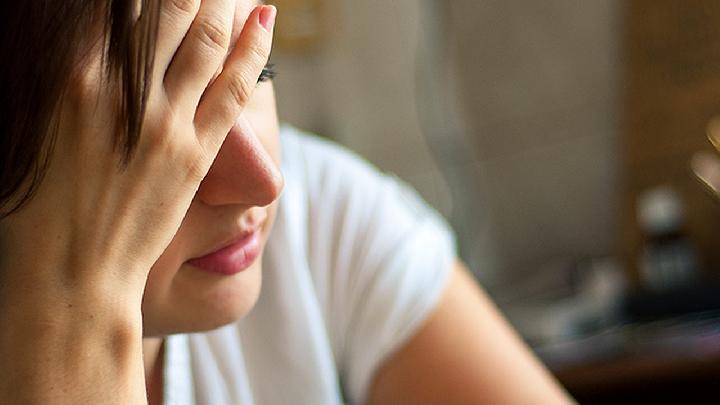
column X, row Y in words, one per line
column 388, row 256
column 396, row 291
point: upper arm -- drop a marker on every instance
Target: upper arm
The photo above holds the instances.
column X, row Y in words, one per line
column 464, row 353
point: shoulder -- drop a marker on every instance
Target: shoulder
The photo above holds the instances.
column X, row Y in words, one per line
column 316, row 161
column 331, row 176
column 356, row 222
column 375, row 254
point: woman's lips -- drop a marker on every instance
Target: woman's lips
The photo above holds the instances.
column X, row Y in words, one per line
column 233, row 258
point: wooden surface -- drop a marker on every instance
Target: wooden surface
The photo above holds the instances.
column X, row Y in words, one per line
column 649, row 378
column 670, row 90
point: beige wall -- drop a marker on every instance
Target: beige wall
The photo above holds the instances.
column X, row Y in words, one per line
column 532, row 95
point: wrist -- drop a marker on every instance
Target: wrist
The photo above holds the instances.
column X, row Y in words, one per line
column 71, row 354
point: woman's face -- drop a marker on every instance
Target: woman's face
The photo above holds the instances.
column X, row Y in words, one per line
column 210, row 274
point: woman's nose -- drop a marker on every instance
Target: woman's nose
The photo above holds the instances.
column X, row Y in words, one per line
column 243, row 172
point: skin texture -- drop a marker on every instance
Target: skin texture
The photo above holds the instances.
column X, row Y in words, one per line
column 93, row 316
column 179, row 297
column 72, row 323
column 239, row 191
column 466, row 353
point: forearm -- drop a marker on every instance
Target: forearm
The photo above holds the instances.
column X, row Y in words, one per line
column 79, row 350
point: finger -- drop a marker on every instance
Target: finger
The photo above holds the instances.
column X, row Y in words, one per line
column 227, row 96
column 176, row 16
column 242, row 11
column 201, row 53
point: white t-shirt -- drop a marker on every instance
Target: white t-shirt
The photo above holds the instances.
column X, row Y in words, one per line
column 356, row 261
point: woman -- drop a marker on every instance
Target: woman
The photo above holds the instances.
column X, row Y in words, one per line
column 141, row 179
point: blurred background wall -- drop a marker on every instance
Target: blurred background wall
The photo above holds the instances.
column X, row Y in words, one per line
column 556, row 137
column 502, row 113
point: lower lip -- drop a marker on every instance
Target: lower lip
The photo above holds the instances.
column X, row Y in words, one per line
column 231, row 259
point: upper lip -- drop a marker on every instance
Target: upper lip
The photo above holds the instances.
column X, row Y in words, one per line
column 232, row 238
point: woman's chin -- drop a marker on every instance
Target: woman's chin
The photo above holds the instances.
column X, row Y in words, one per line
column 204, row 302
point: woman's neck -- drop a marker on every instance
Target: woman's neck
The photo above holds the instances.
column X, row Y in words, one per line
column 153, row 361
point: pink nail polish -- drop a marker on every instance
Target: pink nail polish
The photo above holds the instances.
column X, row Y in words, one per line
column 267, row 17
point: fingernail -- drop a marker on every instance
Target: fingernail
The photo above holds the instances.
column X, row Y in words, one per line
column 267, row 17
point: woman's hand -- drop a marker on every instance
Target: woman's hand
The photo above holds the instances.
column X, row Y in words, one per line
column 92, row 219
column 75, row 258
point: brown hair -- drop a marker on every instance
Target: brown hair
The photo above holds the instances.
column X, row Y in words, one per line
column 42, row 42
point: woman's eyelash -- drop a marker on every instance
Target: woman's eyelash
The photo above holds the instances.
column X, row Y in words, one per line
column 268, row 73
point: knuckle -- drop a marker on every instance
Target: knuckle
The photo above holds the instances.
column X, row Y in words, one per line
column 194, row 167
column 259, row 54
column 182, row 7
column 160, row 138
column 240, row 88
column 211, row 33
column 166, row 127
column 172, row 150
